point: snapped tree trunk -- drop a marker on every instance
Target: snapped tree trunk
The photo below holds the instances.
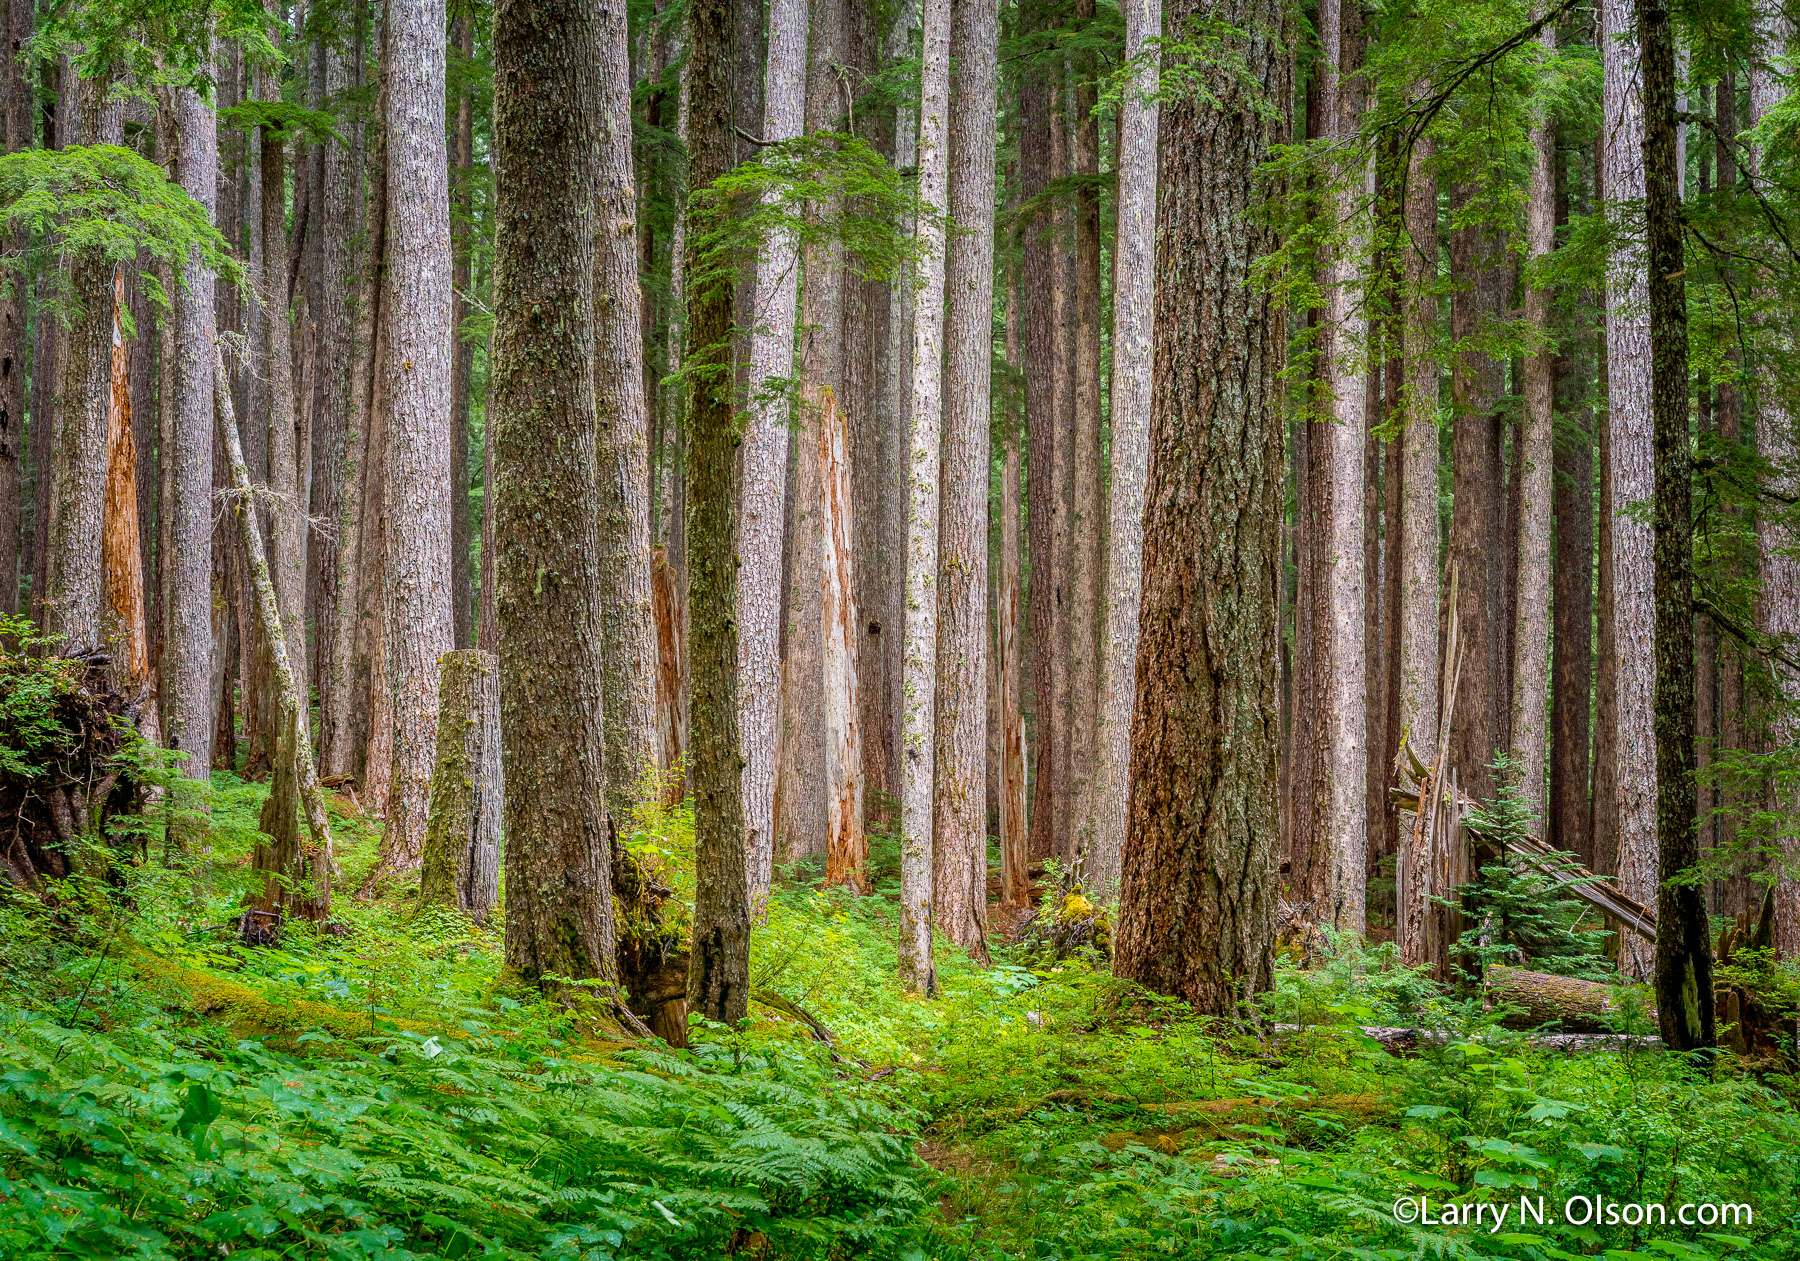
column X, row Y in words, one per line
column 1197, row 905
column 559, row 912
column 124, row 558
column 461, row 862
column 846, row 844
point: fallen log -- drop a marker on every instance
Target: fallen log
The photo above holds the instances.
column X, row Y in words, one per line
column 1408, row 1041
column 1541, row 998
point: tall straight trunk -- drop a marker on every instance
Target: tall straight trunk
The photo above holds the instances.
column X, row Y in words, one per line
column 187, row 614
column 559, row 917
column 123, row 558
column 896, row 454
column 1040, row 331
column 57, row 84
column 917, row 971
column 629, row 644
column 959, row 830
column 1778, row 607
column 1572, row 659
column 1684, row 986
column 1134, row 328
column 1086, row 505
column 719, row 958
column 1630, row 654
column 141, row 386
column 416, row 367
column 15, row 120
column 764, row 457
column 1009, row 658
column 846, row 844
column 1197, row 906
column 1536, row 484
column 1345, row 359
column 462, row 351
column 1418, row 533
column 1061, row 283
column 335, row 450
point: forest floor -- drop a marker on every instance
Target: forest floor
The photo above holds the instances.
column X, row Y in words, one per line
column 383, row 1090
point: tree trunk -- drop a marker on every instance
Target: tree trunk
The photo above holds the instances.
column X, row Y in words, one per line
column 959, row 829
column 461, row 863
column 917, row 970
column 416, row 367
column 846, row 845
column 719, row 960
column 1197, row 905
column 671, row 686
column 1631, row 652
column 1418, row 534
column 1061, row 283
column 1015, row 882
column 1537, row 480
column 1778, row 607
column 1134, row 245
column 764, row 457
column 559, row 916
column 462, row 350
column 1684, row 984
column 1345, row 357
column 187, row 629
column 629, row 648
column 1086, row 505
column 15, row 118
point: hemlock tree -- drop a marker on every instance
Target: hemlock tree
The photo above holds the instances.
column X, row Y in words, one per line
column 1196, row 910
column 559, row 916
column 719, row 956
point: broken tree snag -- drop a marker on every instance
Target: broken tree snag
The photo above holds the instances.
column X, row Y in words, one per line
column 671, row 719
column 846, row 844
column 460, row 865
column 300, row 877
column 1541, row 998
column 122, row 558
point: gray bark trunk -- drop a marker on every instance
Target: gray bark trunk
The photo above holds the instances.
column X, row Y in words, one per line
column 15, row 119
column 461, row 865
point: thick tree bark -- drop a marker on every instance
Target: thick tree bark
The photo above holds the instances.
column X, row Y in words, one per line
column 846, row 844
column 286, row 514
column 461, row 864
column 1684, row 985
column 959, row 830
column 559, row 916
column 1134, row 247
column 187, row 615
column 917, row 971
column 15, row 120
column 719, row 958
column 1536, row 483
column 1015, row 881
column 1630, row 654
column 416, row 369
column 1572, row 661
column 764, row 458
column 462, row 350
column 1061, row 466
column 1418, row 533
column 1198, row 899
column 1344, row 356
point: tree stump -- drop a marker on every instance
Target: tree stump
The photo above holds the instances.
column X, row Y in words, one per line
column 461, row 860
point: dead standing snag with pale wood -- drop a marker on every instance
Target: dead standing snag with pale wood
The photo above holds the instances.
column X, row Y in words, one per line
column 846, row 844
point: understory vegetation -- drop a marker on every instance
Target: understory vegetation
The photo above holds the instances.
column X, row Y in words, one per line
column 380, row 1088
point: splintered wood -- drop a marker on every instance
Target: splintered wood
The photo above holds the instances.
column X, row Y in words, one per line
column 846, row 844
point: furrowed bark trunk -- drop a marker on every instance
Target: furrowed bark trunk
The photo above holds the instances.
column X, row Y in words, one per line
column 719, row 958
column 670, row 685
column 187, row 631
column 1631, row 653
column 416, row 370
column 1537, row 479
column 461, row 865
column 1198, row 899
column 959, row 829
column 15, row 118
column 1134, row 246
column 629, row 647
column 462, row 352
column 917, row 970
column 1419, row 531
column 1572, row 660
column 846, row 844
column 897, row 399
column 559, row 916
column 1684, row 985
column 764, row 458
column 1061, row 283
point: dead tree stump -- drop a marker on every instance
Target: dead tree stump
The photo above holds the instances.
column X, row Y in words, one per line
column 461, row 860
